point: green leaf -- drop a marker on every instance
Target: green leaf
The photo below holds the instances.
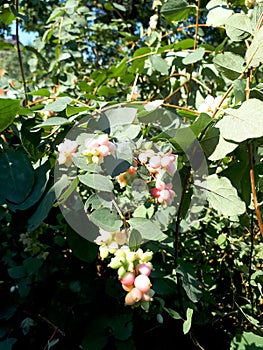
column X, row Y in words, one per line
column 32, row 265
column 99, row 199
column 172, row 313
column 7, row 344
column 53, row 121
column 59, row 105
column 47, row 202
column 147, row 229
column 118, row 117
column 7, row 16
column 177, row 10
column 142, row 51
column 64, row 196
column 17, row 272
column 16, row 176
column 187, row 324
column 40, row 92
column 7, row 311
column 247, row 341
column 159, row 64
column 105, row 219
column 215, row 146
column 8, row 112
column 238, row 27
column 184, row 44
column 41, row 175
column 97, row 182
column 122, row 326
column 218, row 13
column 223, row 197
column 254, row 54
column 195, row 56
column 201, row 123
column 222, row 241
column 192, row 287
column 135, row 239
column 119, row 7
column 229, row 64
column 72, row 110
column 243, row 123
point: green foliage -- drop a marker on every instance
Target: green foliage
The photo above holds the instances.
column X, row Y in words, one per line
column 162, row 83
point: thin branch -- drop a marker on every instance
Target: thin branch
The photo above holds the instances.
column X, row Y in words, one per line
column 181, row 108
column 20, row 55
column 196, row 24
column 120, row 214
column 179, row 212
column 253, row 188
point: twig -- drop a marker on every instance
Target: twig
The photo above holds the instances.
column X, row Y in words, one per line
column 120, row 214
column 181, row 108
column 19, row 54
column 253, row 188
column 178, row 219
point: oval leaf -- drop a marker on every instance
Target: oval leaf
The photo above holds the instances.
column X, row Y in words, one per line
column 223, row 196
column 8, row 111
column 244, row 122
column 97, row 182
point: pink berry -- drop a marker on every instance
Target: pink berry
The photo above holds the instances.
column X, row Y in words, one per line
column 143, row 283
column 144, row 269
column 165, row 194
column 155, row 162
column 128, row 278
column 104, row 150
column 136, row 294
column 155, row 193
column 103, row 139
column 91, row 143
column 127, row 288
column 165, row 161
column 129, row 300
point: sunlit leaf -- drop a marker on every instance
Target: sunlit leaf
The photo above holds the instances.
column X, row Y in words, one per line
column 223, row 197
column 8, row 111
column 242, row 123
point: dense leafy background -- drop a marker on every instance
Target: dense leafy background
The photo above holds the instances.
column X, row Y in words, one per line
column 100, row 60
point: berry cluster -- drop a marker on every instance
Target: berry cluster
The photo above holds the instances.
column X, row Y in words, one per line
column 66, row 149
column 134, row 269
column 159, row 164
column 163, row 192
column 110, row 242
column 98, row 148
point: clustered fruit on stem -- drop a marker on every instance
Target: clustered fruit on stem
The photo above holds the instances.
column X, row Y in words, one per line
column 159, row 165
column 133, row 267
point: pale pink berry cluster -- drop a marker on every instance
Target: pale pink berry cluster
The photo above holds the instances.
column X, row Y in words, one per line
column 98, row 148
column 66, row 149
column 160, row 164
column 134, row 269
column 110, row 242
column 163, row 192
